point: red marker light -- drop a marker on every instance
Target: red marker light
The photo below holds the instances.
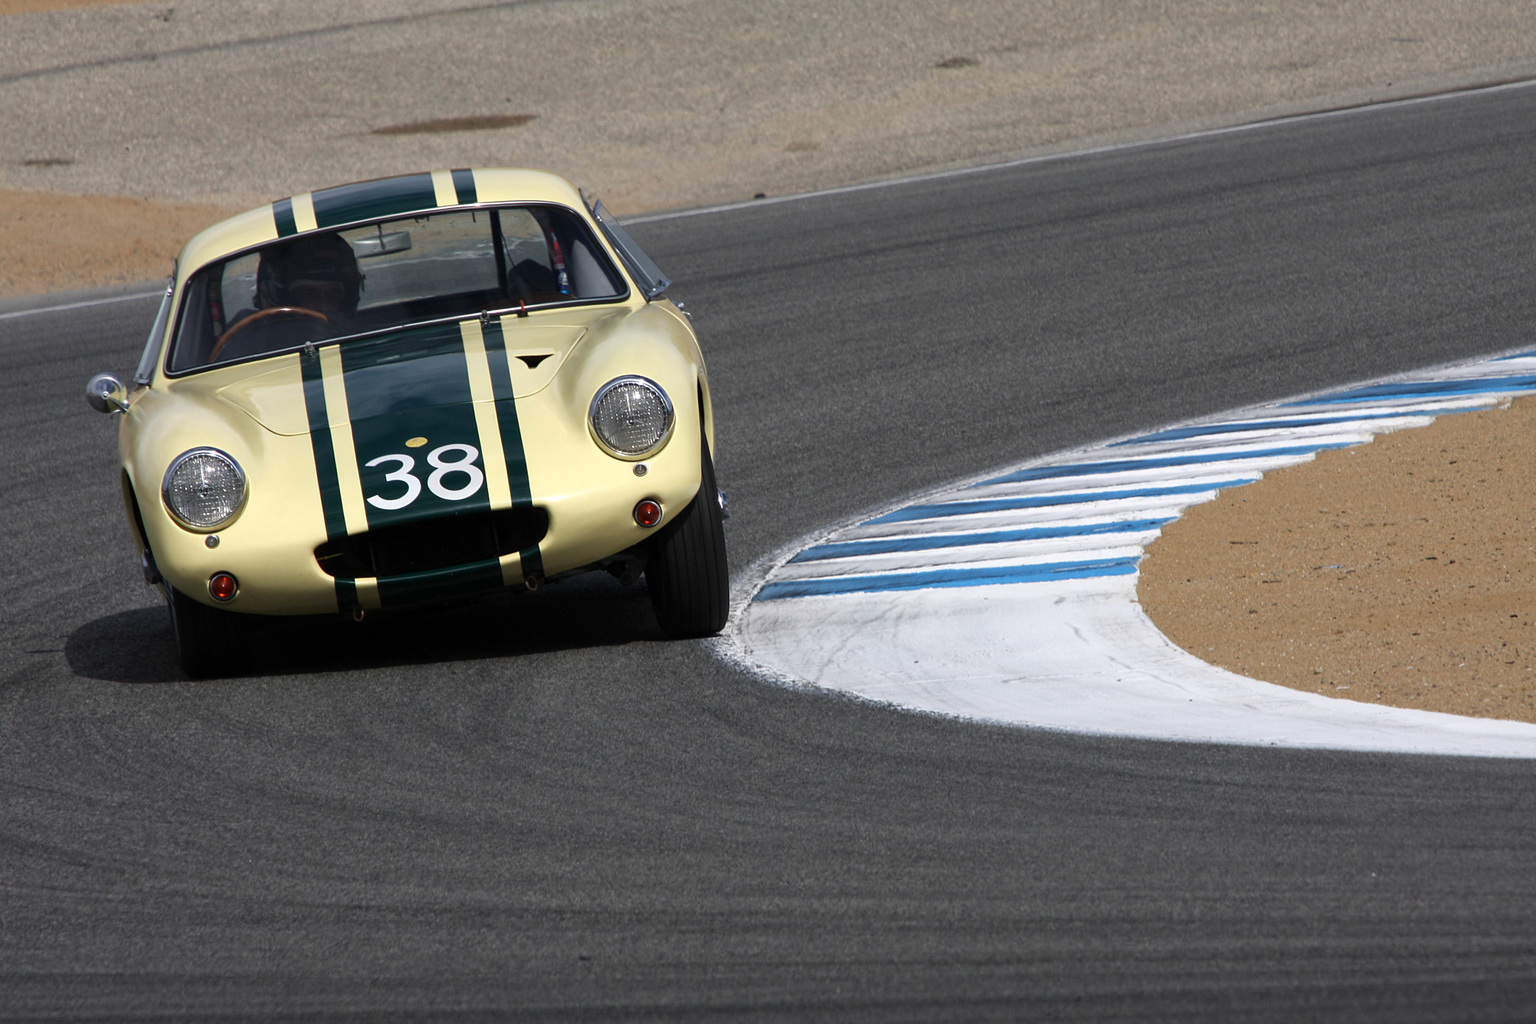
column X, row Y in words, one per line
column 648, row 513
column 223, row 587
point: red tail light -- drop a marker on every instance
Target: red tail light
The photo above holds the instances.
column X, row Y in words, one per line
column 223, row 587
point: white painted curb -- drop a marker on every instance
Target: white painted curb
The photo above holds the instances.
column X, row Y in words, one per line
column 1012, row 599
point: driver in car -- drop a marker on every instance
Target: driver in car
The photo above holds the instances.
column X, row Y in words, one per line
column 317, row 272
column 306, row 290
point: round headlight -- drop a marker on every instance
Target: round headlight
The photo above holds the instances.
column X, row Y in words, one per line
column 203, row 488
column 631, row 417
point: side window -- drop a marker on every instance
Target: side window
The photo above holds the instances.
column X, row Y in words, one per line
column 550, row 256
column 534, row 271
column 640, row 266
column 238, row 286
column 195, row 332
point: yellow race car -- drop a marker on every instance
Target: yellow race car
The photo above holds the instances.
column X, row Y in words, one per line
column 415, row 390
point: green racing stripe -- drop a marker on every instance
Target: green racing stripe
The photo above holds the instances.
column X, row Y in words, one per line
column 511, row 434
column 464, row 186
column 325, row 468
column 282, row 213
column 417, row 446
column 347, row 204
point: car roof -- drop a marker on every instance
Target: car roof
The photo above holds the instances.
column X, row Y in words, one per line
column 371, row 200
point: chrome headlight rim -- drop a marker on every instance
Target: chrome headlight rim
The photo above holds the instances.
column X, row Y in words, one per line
column 635, row 455
column 206, row 452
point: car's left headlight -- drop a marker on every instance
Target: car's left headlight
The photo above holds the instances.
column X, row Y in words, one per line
column 203, row 489
column 631, row 417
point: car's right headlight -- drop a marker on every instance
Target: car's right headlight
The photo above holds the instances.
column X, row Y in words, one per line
column 631, row 417
column 203, row 489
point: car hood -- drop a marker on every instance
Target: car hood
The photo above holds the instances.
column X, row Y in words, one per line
column 408, row 371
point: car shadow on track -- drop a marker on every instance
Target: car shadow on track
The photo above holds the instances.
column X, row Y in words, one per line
column 590, row 611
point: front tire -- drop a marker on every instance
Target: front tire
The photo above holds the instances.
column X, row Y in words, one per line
column 209, row 642
column 686, row 571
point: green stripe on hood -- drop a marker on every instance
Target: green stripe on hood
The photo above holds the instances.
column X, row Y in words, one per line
column 506, row 414
column 325, row 452
column 417, row 444
column 325, row 469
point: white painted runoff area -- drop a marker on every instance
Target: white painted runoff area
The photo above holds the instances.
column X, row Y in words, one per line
column 1012, row 599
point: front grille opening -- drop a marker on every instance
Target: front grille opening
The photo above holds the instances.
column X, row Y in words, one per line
column 433, row 543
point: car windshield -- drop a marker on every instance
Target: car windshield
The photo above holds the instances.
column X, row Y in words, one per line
column 325, row 285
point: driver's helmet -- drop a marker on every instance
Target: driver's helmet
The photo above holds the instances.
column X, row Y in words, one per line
column 316, row 272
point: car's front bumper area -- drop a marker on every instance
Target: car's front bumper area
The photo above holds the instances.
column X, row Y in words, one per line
column 298, row 570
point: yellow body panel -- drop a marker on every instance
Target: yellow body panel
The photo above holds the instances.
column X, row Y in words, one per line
column 258, row 413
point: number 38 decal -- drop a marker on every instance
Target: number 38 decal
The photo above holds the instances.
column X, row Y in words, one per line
column 451, row 464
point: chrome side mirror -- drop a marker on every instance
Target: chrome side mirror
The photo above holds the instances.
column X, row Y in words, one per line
column 106, row 393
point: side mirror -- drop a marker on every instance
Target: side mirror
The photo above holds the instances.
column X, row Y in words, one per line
column 106, row 393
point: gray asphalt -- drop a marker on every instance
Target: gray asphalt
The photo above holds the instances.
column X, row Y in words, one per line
column 539, row 809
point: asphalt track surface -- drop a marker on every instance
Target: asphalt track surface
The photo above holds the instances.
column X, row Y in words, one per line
column 536, row 808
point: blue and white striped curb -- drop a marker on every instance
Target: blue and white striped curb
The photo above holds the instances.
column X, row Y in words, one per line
column 984, row 599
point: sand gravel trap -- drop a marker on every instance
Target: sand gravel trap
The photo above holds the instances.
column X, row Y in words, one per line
column 54, row 242
column 1400, row 572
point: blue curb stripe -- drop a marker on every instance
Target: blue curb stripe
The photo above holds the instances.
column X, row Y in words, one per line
column 938, row 578
column 860, row 548
column 1244, row 426
column 1401, row 400
column 966, row 508
column 1168, row 462
column 1427, row 389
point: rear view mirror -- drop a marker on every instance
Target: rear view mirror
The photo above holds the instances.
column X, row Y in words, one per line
column 382, row 244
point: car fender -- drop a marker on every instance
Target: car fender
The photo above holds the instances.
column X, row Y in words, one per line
column 282, row 496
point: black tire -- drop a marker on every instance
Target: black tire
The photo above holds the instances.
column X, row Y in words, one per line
column 685, row 570
column 209, row 642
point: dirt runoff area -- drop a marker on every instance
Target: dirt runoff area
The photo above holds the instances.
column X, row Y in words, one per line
column 1402, row 572
column 1398, row 572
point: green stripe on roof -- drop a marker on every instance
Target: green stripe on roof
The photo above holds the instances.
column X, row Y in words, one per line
column 464, row 185
column 282, row 212
column 367, row 200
